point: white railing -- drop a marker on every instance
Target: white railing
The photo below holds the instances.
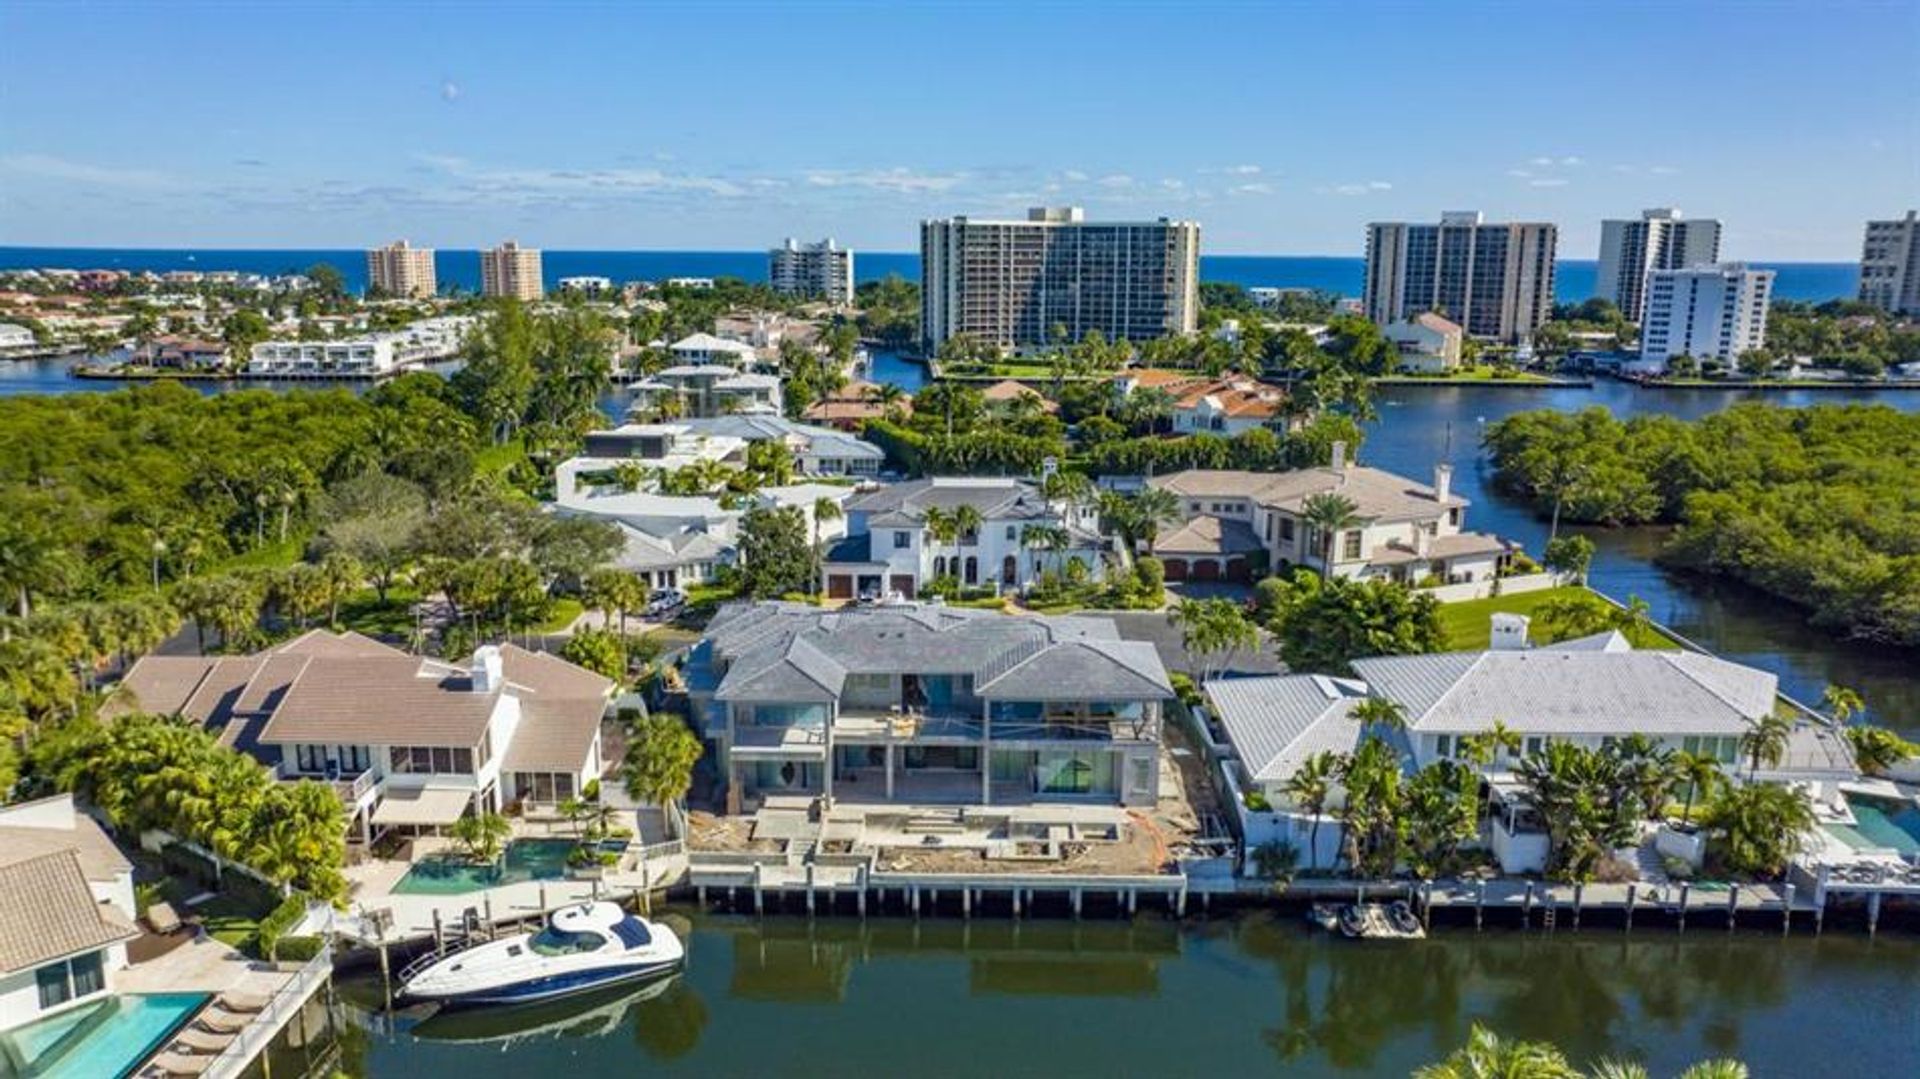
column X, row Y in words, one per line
column 254, row 1038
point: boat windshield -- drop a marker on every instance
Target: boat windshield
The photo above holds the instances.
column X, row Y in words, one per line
column 556, row 941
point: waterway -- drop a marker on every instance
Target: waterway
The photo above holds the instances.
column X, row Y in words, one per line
column 1246, row 995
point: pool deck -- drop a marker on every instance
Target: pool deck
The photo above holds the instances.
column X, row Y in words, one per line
column 202, row 965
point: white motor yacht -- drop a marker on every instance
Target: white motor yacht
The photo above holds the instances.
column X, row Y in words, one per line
column 583, row 947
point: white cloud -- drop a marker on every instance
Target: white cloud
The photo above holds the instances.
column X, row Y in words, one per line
column 449, row 90
column 1662, row 170
column 1379, row 185
column 47, row 166
column 1118, row 179
column 1172, row 184
column 1357, row 188
column 1251, row 189
column 1244, row 170
column 1624, row 168
column 1519, row 173
column 1548, row 181
column 1073, row 176
column 898, row 181
column 1571, row 162
column 1543, row 162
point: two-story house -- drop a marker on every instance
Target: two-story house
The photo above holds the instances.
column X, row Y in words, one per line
column 898, row 537
column 1400, row 529
column 925, row 704
column 66, row 914
column 1197, row 404
column 409, row 742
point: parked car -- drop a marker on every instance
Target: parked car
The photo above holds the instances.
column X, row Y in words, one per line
column 665, row 601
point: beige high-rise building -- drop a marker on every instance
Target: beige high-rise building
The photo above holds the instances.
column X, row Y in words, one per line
column 1890, row 265
column 400, row 270
column 1494, row 280
column 1016, row 284
column 511, row 270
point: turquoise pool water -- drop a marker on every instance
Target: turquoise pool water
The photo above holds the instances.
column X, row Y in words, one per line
column 526, row 859
column 107, row 1040
column 1886, row 824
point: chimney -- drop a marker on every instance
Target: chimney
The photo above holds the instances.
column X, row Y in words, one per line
column 1442, row 483
column 1339, row 454
column 484, row 669
column 1509, row 632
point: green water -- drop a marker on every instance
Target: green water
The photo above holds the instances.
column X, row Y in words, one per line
column 525, row 859
column 1249, row 995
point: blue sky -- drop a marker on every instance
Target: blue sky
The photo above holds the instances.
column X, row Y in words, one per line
column 1282, row 128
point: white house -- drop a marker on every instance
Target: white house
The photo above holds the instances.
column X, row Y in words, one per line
column 1402, row 530
column 705, row 390
column 889, row 547
column 66, row 910
column 366, row 355
column 1217, row 406
column 701, row 348
column 1428, row 343
column 410, row 743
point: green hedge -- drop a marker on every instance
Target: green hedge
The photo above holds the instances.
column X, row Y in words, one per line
column 273, row 928
column 298, row 949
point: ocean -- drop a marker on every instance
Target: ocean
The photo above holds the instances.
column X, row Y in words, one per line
column 1814, row 281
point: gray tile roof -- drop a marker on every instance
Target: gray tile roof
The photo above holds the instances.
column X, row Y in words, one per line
column 791, row 651
column 1578, row 691
column 996, row 498
column 1376, row 494
column 1276, row 723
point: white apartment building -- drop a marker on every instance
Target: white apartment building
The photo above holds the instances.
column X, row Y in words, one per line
column 821, row 270
column 1712, row 313
column 1630, row 251
column 1890, row 265
column 400, row 270
column 511, row 270
column 1494, row 280
column 365, row 356
column 1015, row 284
column 589, row 285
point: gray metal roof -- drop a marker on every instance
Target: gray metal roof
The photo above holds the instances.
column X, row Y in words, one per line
column 1276, row 723
column 1573, row 691
column 792, row 651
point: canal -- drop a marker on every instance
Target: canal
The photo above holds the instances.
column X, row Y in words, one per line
column 1249, row 995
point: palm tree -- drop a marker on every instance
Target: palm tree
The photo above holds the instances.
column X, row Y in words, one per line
column 1329, row 514
column 1760, row 827
column 1153, row 507
column 1381, row 713
column 1766, row 742
column 1489, row 1056
column 480, row 836
column 1841, row 703
column 1876, row 749
column 1634, row 621
column 1702, row 775
column 824, row 509
column 1309, row 787
column 966, row 522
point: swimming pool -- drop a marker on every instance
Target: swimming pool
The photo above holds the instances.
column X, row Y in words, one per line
column 110, row 1038
column 1883, row 823
column 525, row 859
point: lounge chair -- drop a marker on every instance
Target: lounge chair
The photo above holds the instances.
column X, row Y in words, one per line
column 240, row 1003
column 201, row 1043
column 220, row 1022
column 178, row 1064
column 162, row 918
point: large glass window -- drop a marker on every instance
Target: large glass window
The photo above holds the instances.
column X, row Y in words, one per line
column 69, row 979
column 428, row 760
column 555, row 941
column 789, row 715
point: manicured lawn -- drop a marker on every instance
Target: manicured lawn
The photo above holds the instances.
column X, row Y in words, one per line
column 364, row 613
column 564, row 611
column 1476, row 373
column 1468, row 625
column 271, row 555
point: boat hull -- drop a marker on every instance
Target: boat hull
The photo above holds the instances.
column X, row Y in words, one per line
column 550, row 986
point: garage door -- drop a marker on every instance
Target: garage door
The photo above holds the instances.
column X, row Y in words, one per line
column 1176, row 568
column 840, row 586
column 1236, row 569
column 903, row 584
column 1206, row 569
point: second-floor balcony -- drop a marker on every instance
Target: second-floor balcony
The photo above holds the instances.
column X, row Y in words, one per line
column 906, row 725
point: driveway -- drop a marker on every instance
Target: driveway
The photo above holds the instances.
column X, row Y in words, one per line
column 1153, row 627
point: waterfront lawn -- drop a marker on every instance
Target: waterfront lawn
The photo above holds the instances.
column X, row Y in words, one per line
column 1474, row 373
column 1468, row 624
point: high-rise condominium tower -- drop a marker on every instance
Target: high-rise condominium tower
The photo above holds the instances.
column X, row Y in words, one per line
column 822, row 271
column 1494, row 280
column 1630, row 251
column 1016, row 284
column 1890, row 265
column 1712, row 313
column 511, row 270
column 400, row 270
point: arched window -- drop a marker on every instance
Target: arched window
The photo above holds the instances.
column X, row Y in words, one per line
column 973, row 570
column 940, row 565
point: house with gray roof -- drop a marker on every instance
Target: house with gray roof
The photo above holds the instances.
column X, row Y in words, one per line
column 890, row 546
column 922, row 703
column 1237, row 521
column 409, row 742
